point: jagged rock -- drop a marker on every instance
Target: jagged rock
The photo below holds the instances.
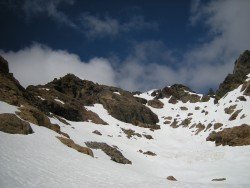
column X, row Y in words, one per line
column 176, row 92
column 200, row 127
column 4, row 67
column 130, row 133
column 243, row 116
column 230, row 109
column 183, row 108
column 35, row 116
column 246, row 88
column 219, row 179
column 115, row 154
column 149, row 153
column 205, row 98
column 235, row 136
column 167, row 122
column 155, row 103
column 10, row 90
column 124, row 107
column 147, row 136
column 217, row 125
column 10, row 123
column 71, row 109
column 171, row 178
column 232, row 81
column 174, row 124
column 234, row 115
column 208, row 126
column 197, row 108
column 70, row 143
column 186, row 122
column 97, row 132
column 242, row 98
column 168, row 118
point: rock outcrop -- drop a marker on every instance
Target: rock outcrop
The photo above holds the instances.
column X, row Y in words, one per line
column 10, row 123
column 177, row 92
column 114, row 154
column 235, row 136
column 70, row 143
column 73, row 91
column 238, row 77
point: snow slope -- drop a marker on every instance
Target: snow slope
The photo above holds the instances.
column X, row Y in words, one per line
column 41, row 160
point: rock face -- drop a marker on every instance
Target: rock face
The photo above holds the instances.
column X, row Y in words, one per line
column 10, row 123
column 155, row 103
column 51, row 100
column 74, row 91
column 236, row 136
column 176, row 92
column 4, row 68
column 232, row 81
column 10, row 89
column 115, row 154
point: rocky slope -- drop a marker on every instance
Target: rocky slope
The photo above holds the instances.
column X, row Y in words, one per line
column 105, row 136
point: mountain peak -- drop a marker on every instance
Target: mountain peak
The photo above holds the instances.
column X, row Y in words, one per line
column 4, row 67
column 241, row 70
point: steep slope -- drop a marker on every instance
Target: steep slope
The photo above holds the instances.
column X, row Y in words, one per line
column 239, row 75
column 70, row 94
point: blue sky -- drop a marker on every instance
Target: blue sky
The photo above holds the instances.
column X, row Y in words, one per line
column 135, row 45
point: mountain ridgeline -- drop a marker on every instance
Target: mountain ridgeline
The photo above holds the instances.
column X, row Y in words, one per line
column 66, row 98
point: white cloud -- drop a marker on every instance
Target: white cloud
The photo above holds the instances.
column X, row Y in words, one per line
column 228, row 26
column 150, row 64
column 94, row 26
column 39, row 64
column 50, row 8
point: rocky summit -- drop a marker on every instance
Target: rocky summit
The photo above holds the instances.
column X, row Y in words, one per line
column 78, row 133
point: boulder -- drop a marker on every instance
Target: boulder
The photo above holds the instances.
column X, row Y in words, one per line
column 10, row 123
column 171, row 178
column 235, row 136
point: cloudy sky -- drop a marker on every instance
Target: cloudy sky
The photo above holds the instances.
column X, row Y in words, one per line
column 132, row 44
